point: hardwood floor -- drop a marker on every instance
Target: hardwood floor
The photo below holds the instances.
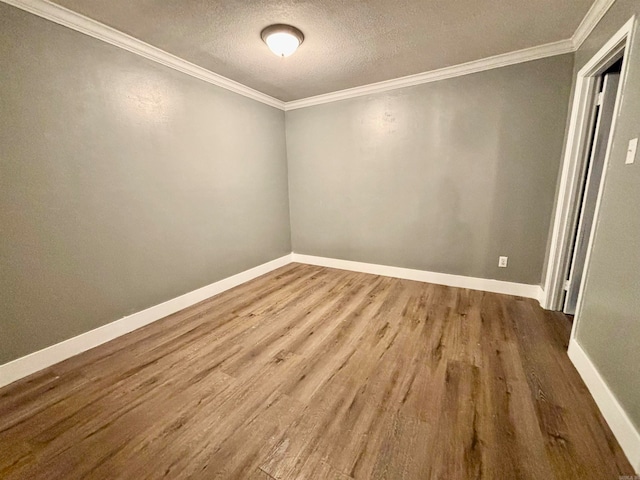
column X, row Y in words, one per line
column 310, row 372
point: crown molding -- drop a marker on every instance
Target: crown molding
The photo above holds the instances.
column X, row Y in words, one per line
column 80, row 23
column 590, row 20
column 100, row 31
column 497, row 61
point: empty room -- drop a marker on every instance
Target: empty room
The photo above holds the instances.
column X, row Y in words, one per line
column 319, row 239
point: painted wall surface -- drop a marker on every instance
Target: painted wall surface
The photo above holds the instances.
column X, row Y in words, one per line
column 444, row 177
column 608, row 326
column 123, row 183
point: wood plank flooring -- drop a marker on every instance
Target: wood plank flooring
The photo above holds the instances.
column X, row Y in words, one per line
column 315, row 373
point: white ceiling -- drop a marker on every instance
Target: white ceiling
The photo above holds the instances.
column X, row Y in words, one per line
column 348, row 43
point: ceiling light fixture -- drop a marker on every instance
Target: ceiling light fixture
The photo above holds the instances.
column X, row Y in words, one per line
column 282, row 39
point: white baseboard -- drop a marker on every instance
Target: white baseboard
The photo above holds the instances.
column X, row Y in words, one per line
column 460, row 281
column 619, row 422
column 24, row 366
column 544, row 299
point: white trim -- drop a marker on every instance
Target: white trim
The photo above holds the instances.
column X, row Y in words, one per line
column 621, row 41
column 621, row 425
column 567, row 191
column 460, row 281
column 34, row 362
column 497, row 61
column 590, row 20
column 572, row 166
column 100, row 31
column 68, row 18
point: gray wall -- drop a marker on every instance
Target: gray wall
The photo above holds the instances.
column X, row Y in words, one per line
column 443, row 177
column 609, row 324
column 122, row 183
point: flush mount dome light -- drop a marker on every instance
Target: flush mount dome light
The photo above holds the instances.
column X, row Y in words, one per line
column 282, row 39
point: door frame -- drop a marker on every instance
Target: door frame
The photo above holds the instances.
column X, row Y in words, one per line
column 573, row 165
column 591, row 184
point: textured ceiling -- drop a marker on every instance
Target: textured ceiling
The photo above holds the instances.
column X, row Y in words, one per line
column 347, row 43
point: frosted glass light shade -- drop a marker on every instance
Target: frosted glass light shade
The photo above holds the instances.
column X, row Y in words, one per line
column 282, row 44
column 282, row 40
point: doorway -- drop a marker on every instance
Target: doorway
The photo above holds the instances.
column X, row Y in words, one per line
column 602, row 119
column 598, row 92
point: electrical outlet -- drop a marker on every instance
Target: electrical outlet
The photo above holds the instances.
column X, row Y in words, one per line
column 502, row 262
